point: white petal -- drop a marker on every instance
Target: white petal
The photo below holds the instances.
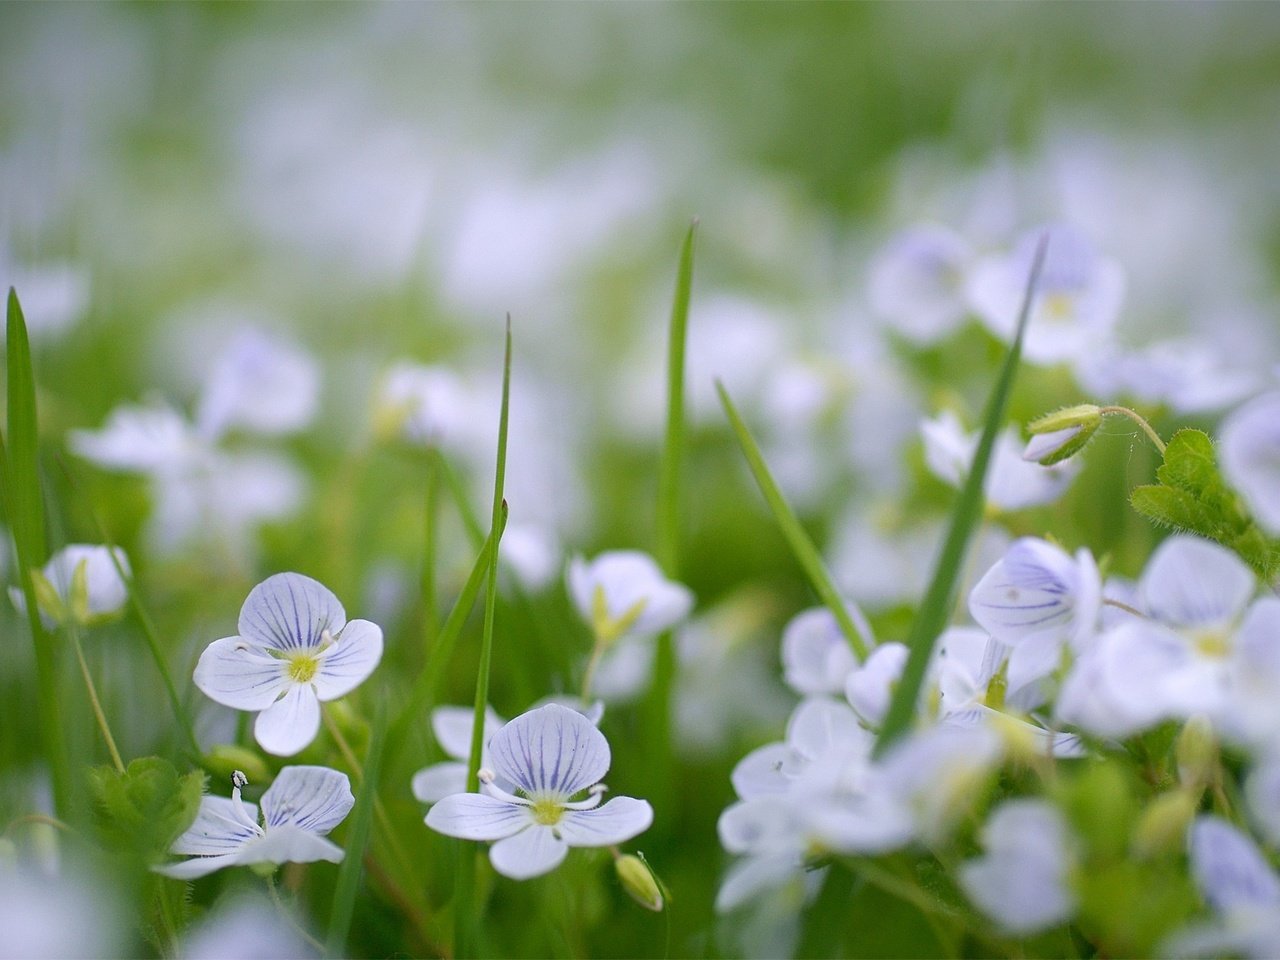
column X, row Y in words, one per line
column 218, row 828
column 290, row 844
column 236, row 673
column 1262, row 793
column 311, row 798
column 289, row 724
column 1250, row 451
column 869, row 687
column 617, row 821
column 752, row 876
column 1031, row 589
column 530, row 853
column 1228, row 867
column 477, row 816
column 816, row 657
column 349, row 661
column 550, row 750
column 106, row 592
column 289, row 612
column 440, row 780
column 144, row 439
column 760, row 825
column 452, row 727
column 760, row 772
column 629, row 578
column 1191, row 582
column 197, row 866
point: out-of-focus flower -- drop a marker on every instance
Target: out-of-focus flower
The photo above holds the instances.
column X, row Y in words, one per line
column 1022, row 880
column 295, row 649
column 1184, row 375
column 260, row 384
column 1250, row 452
column 623, row 592
column 298, row 809
column 80, row 584
column 54, row 296
column 551, row 754
column 532, row 553
column 1076, row 302
column 869, row 687
column 68, row 915
column 816, row 656
column 244, row 927
column 1240, row 888
column 1012, row 483
column 428, row 405
column 917, row 282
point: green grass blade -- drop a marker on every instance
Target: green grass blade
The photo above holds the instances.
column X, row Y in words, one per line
column 668, row 520
column 344, row 894
column 26, row 522
column 466, row 906
column 935, row 610
column 801, row 546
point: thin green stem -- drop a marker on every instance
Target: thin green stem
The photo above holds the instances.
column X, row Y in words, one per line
column 430, row 541
column 589, row 674
column 94, row 701
column 668, row 517
column 1141, row 421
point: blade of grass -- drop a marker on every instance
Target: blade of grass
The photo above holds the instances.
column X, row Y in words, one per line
column 802, row 547
column 344, row 894
column 466, row 905
column 430, row 541
column 935, row 610
column 26, row 522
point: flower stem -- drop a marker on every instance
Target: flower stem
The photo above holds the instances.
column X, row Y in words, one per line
column 589, row 675
column 1140, row 420
column 289, row 916
column 94, row 702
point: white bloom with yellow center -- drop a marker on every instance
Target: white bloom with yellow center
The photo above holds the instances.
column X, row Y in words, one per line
column 295, row 649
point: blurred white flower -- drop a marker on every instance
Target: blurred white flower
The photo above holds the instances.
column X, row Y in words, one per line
column 532, row 553
column 551, row 754
column 302, row 805
column 816, row 655
column 260, row 384
column 63, row 917
column 244, row 927
column 150, row 440
column 429, row 405
column 1186, row 375
column 1022, row 880
column 1250, row 451
column 869, row 687
column 917, row 282
column 1076, row 303
column 624, row 593
column 295, row 649
column 80, row 583
column 54, row 296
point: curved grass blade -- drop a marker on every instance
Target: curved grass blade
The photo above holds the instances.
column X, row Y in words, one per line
column 935, row 610
column 801, row 546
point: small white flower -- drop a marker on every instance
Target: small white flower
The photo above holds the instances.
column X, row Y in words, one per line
column 1021, row 882
column 1077, row 300
column 150, row 440
column 532, row 553
column 623, row 592
column 550, row 754
column 260, row 384
column 431, row 406
column 298, row 809
column 295, row 649
column 917, row 282
column 1250, row 451
column 242, row 926
column 816, row 656
column 80, row 583
column 869, row 688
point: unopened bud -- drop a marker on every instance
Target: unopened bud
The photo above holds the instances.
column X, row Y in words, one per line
column 639, row 881
column 1162, row 827
column 226, row 760
column 1061, row 434
column 1196, row 751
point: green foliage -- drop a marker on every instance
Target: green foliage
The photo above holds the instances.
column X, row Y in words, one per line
column 1193, row 497
column 142, row 810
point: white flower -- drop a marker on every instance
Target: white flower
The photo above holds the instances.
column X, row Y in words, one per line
column 295, row 649
column 1184, row 375
column 1239, row 886
column 551, row 754
column 531, row 552
column 426, row 405
column 298, row 809
column 80, row 583
column 1021, row 882
column 917, row 282
column 816, row 656
column 1012, row 483
column 1250, row 451
column 152, row 439
column 260, row 384
column 623, row 592
column 1077, row 300
column 870, row 687
column 67, row 915
column 244, row 927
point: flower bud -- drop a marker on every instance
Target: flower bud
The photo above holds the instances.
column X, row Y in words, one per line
column 639, row 881
column 1196, row 751
column 1061, row 434
column 1162, row 827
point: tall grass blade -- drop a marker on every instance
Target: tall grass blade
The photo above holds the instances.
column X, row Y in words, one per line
column 26, row 521
column 802, row 547
column 668, row 519
column 935, row 610
column 344, row 894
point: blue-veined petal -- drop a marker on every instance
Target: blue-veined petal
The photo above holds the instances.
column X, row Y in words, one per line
column 290, row 612
column 618, row 820
column 476, row 816
column 289, row 724
column 550, row 750
column 312, row 798
column 530, row 853
column 237, row 673
column 349, row 660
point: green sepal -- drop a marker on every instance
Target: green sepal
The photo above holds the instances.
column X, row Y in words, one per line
column 143, row 809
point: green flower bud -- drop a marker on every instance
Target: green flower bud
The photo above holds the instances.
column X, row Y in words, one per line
column 1061, row 434
column 1162, row 827
column 639, row 881
column 226, row 758
column 1196, row 751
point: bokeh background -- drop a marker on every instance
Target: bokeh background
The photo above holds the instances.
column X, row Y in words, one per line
column 376, row 184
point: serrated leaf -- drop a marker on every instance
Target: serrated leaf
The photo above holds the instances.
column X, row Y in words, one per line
column 1189, row 462
column 143, row 809
column 1171, row 507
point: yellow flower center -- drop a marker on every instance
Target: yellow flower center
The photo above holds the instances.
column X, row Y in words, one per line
column 547, row 812
column 1059, row 306
column 302, row 667
column 1212, row 643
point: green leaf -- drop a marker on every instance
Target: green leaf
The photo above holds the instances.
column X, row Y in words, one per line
column 142, row 810
column 801, row 546
column 1193, row 497
column 935, row 610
